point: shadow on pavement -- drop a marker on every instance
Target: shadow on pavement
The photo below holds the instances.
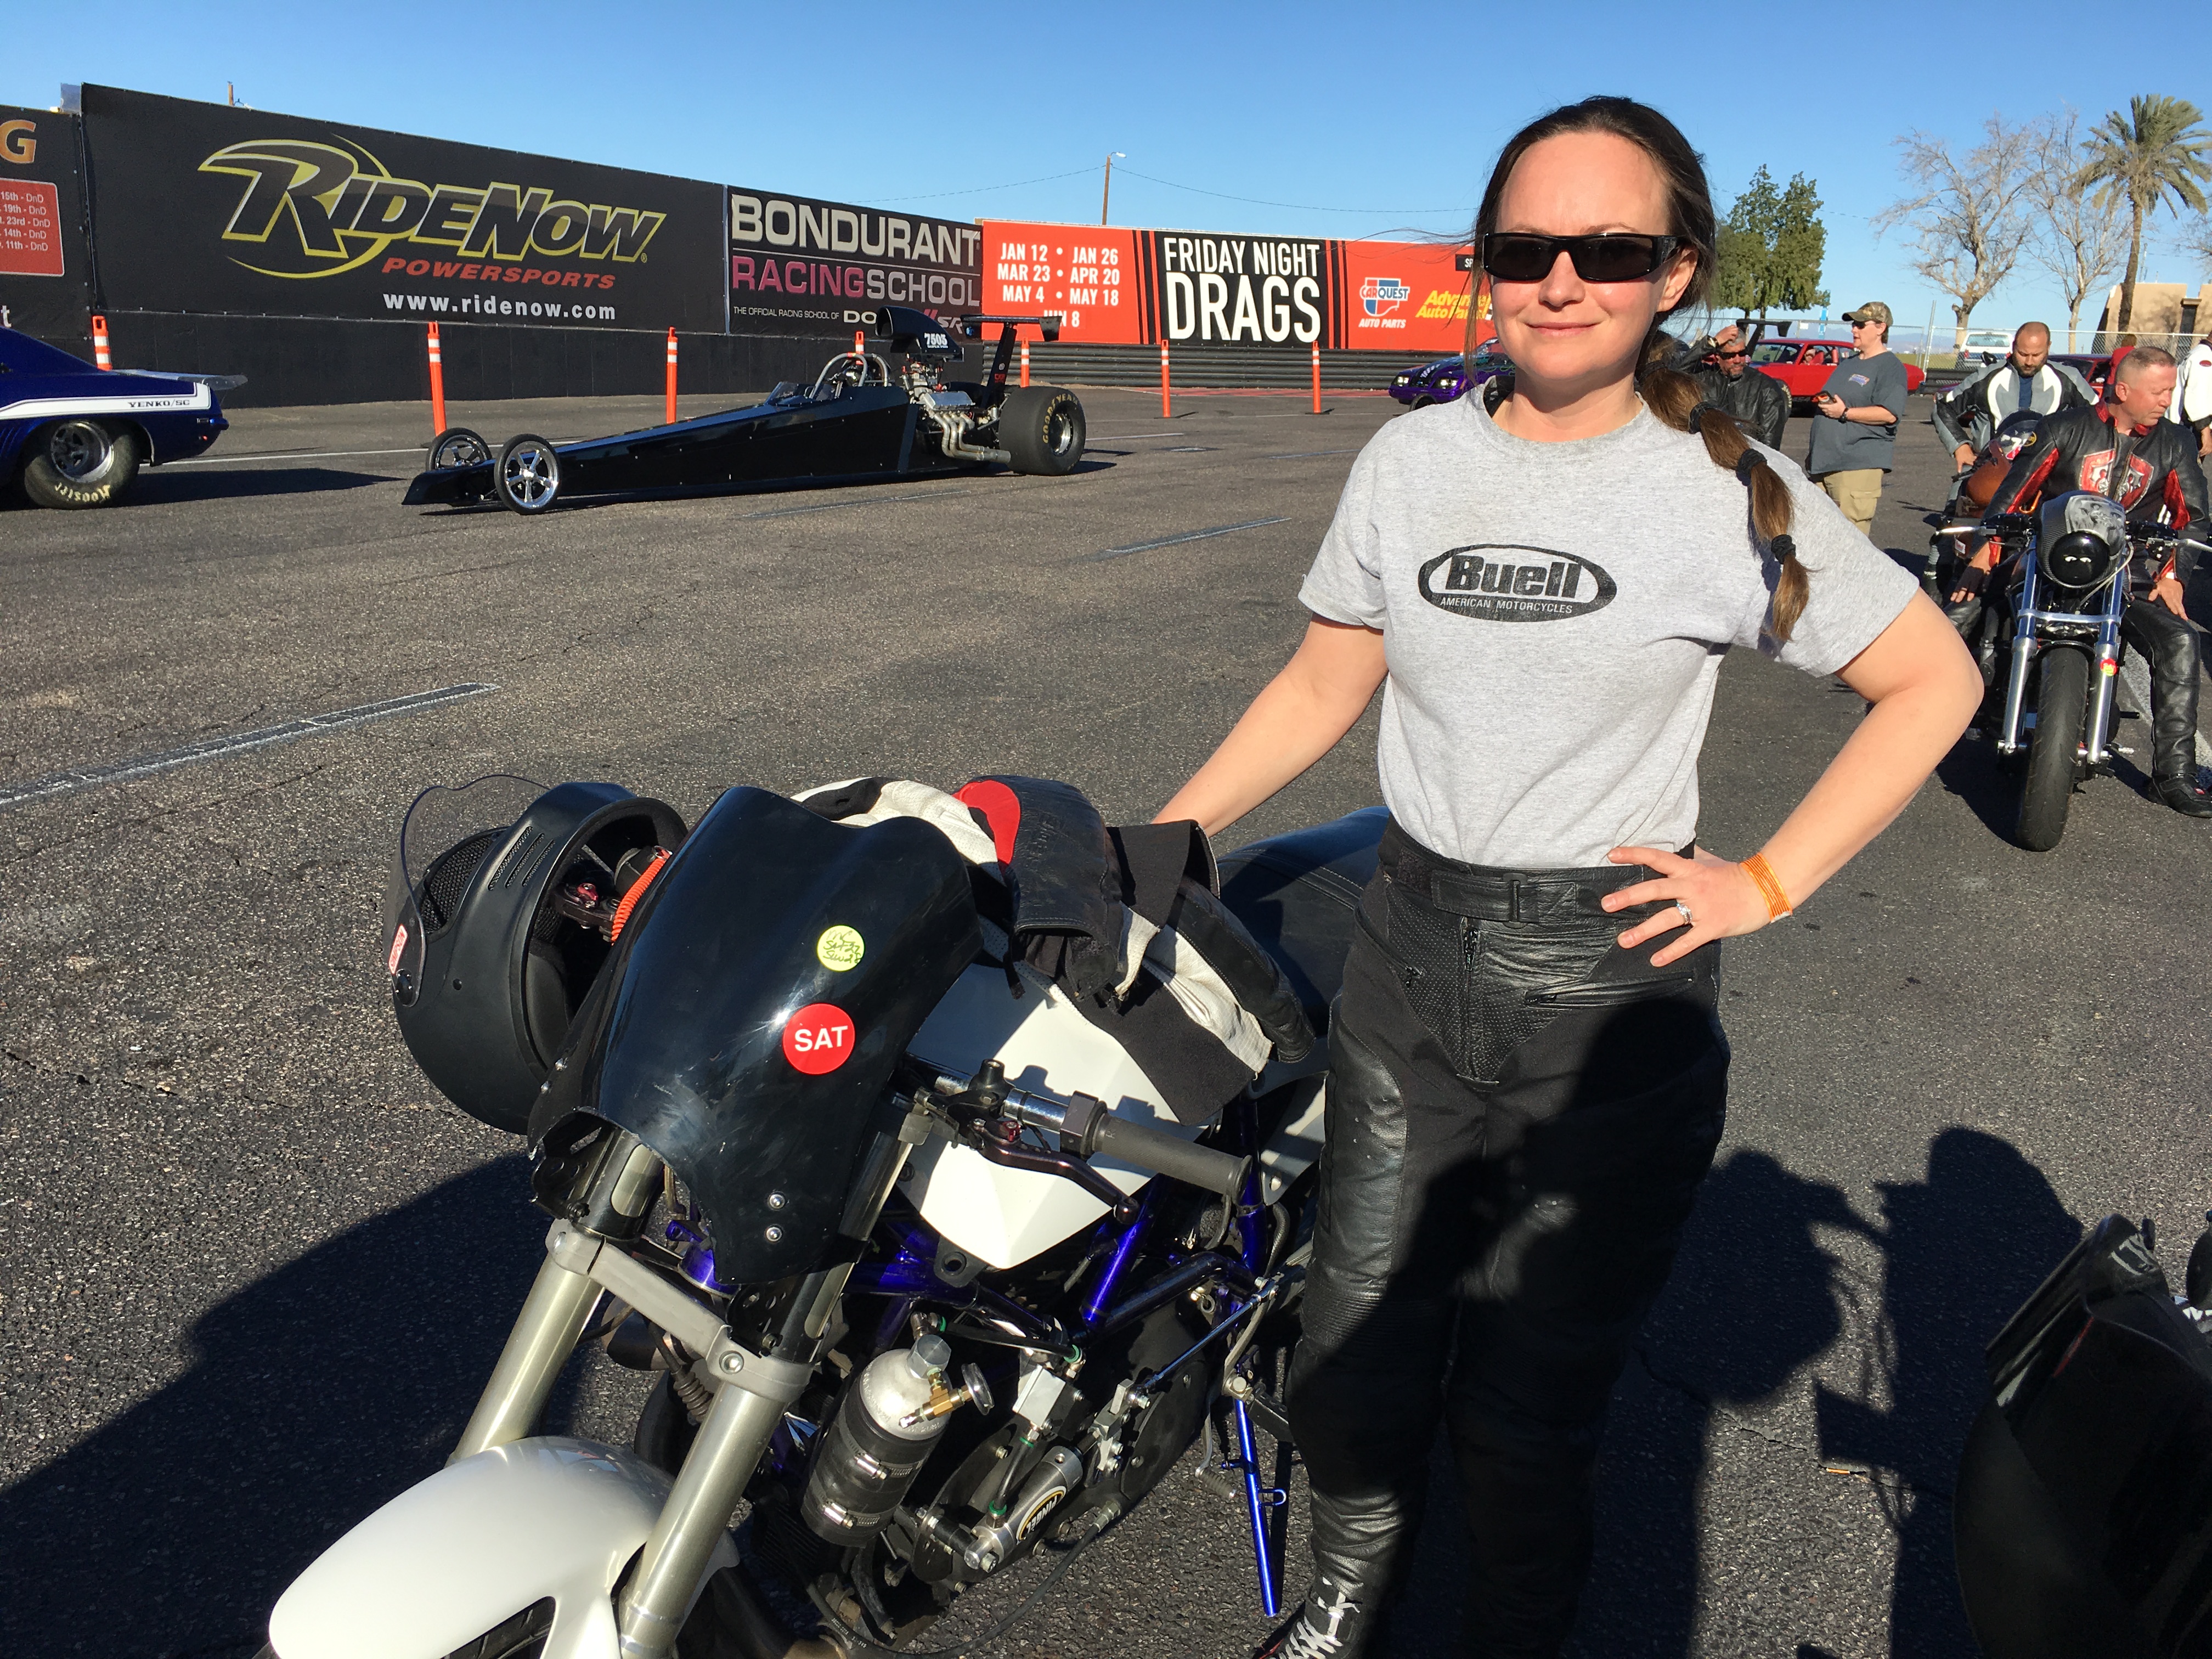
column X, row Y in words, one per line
column 1966, row 1248
column 1755, row 1297
column 1975, row 773
column 223, row 484
column 318, row 1394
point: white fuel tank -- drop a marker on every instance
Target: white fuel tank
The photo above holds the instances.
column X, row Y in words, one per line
column 1004, row 1216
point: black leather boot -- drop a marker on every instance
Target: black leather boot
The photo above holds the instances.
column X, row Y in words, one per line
column 1333, row 1623
column 2184, row 796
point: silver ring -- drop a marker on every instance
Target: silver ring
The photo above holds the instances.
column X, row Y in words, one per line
column 1688, row 920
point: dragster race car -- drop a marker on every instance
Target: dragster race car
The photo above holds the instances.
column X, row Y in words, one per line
column 858, row 421
column 76, row 435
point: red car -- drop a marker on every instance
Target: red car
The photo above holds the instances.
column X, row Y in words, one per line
column 1804, row 365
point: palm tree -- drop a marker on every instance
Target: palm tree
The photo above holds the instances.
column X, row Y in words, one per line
column 2155, row 150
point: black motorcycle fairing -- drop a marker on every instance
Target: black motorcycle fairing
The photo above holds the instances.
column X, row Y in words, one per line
column 2079, row 1523
column 696, row 1042
column 485, row 977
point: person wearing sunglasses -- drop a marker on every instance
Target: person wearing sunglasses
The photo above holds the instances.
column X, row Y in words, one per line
column 1759, row 402
column 1528, row 1074
column 1856, row 416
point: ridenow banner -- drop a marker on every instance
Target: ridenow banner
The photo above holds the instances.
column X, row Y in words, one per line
column 800, row 266
column 207, row 207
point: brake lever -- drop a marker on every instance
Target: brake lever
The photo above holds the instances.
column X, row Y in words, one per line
column 999, row 1140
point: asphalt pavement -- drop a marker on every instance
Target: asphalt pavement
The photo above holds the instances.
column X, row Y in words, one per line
column 252, row 1270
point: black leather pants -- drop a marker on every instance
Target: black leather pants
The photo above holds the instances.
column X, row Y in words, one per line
column 2169, row 646
column 1519, row 1114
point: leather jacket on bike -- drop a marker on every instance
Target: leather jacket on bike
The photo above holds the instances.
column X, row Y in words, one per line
column 2151, row 472
column 1970, row 411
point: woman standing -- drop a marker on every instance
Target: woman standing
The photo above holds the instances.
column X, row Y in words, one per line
column 1526, row 1095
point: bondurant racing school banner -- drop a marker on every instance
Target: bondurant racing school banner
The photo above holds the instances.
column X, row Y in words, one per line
column 45, row 275
column 800, row 266
column 1142, row 287
column 207, row 207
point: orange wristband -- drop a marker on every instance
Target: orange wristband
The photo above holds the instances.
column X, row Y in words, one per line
column 1777, row 902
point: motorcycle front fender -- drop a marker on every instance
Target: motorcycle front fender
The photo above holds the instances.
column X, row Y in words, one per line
column 478, row 1542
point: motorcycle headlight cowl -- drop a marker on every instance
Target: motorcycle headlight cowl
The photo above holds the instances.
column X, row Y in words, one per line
column 2079, row 560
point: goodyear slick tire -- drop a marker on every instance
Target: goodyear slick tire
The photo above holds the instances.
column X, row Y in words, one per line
column 1422, row 402
column 78, row 463
column 528, row 476
column 2053, row 768
column 1042, row 428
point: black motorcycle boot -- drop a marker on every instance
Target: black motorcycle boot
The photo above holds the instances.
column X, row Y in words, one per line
column 1331, row 1623
column 2173, row 670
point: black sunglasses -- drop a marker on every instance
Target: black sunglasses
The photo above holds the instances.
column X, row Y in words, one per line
column 1512, row 256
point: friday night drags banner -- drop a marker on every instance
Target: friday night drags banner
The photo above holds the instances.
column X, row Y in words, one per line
column 1142, row 287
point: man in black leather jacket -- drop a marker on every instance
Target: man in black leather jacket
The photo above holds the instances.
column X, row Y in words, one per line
column 1728, row 382
column 1969, row 412
column 2125, row 449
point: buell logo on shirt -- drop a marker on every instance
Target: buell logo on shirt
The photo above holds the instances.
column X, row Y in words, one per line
column 1498, row 582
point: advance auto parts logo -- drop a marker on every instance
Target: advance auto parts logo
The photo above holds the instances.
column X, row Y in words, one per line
column 1501, row 583
column 344, row 209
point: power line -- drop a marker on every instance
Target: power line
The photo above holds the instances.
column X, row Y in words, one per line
column 983, row 190
column 1298, row 207
column 1195, row 190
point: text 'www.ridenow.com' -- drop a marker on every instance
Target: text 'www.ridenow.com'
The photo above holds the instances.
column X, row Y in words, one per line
column 482, row 305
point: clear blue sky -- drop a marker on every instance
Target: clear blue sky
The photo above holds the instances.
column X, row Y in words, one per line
column 1377, row 116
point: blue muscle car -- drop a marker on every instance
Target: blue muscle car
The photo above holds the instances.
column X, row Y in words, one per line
column 1441, row 381
column 75, row 435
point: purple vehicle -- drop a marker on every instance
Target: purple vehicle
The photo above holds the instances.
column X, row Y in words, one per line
column 1441, row 381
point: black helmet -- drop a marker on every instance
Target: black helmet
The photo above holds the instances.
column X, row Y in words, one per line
column 2079, row 538
column 502, row 905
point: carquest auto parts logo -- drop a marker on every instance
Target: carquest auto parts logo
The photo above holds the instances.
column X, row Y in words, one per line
column 315, row 209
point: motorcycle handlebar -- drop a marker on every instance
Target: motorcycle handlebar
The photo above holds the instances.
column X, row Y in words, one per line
column 1171, row 1156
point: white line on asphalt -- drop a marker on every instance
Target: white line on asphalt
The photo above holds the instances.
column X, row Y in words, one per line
column 88, row 777
column 1304, row 455
column 1120, row 437
column 293, row 455
column 1169, row 541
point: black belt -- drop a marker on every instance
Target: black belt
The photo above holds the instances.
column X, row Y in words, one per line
column 1484, row 893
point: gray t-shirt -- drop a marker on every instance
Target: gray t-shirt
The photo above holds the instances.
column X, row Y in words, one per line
column 1554, row 617
column 1853, row 445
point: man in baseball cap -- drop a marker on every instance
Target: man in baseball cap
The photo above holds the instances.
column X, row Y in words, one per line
column 1856, row 416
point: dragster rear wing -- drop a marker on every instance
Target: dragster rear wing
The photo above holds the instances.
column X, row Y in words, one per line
column 972, row 327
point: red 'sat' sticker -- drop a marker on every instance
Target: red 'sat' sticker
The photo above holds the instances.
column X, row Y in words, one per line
column 818, row 1038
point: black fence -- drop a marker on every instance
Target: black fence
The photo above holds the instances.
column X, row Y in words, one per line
column 313, row 360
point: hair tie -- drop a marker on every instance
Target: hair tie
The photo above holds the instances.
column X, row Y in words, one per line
column 1695, row 422
column 1784, row 548
column 1746, row 464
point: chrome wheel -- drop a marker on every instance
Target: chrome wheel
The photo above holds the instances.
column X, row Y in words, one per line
column 78, row 450
column 529, row 474
column 458, row 446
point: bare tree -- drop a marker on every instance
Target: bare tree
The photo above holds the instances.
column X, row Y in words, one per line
column 2071, row 236
column 1968, row 223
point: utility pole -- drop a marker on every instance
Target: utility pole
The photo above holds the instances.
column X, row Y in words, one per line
column 230, row 93
column 1106, row 195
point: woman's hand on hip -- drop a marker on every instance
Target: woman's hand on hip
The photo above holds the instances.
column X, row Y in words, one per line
column 1707, row 898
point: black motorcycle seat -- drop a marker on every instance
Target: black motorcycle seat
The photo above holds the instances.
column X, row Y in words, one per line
column 1299, row 895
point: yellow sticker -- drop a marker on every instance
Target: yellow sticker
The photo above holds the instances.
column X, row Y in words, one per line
column 839, row 948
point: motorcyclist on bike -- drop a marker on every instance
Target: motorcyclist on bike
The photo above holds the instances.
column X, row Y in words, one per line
column 2126, row 450
column 1970, row 411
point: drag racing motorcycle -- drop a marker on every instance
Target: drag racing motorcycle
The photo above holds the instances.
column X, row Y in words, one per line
column 946, row 1198
column 859, row 420
column 2053, row 637
column 2079, row 1521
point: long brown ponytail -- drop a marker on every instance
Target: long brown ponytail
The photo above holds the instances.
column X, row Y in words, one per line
column 1672, row 397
